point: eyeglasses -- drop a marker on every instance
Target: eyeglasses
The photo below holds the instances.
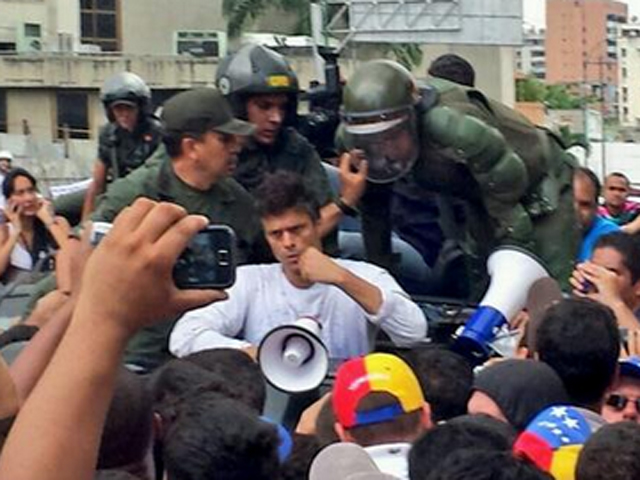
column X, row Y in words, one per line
column 619, row 402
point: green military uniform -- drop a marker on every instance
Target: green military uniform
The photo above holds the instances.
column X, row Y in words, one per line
column 225, row 203
column 515, row 179
column 120, row 150
column 292, row 152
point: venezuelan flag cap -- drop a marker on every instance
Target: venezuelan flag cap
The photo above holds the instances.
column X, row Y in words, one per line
column 553, row 440
column 377, row 372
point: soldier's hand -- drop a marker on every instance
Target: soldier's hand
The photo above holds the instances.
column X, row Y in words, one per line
column 353, row 177
column 128, row 280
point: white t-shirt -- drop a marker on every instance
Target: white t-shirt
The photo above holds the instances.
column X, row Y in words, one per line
column 262, row 298
column 391, row 458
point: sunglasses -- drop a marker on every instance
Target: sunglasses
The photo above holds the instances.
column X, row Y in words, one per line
column 619, row 402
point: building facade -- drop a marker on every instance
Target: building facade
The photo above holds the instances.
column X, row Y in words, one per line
column 629, row 74
column 531, row 58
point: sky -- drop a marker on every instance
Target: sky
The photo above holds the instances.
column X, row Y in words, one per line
column 534, row 10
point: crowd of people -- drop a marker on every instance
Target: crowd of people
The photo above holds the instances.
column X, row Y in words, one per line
column 116, row 373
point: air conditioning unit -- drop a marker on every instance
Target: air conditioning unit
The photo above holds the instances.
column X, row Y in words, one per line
column 29, row 38
column 200, row 43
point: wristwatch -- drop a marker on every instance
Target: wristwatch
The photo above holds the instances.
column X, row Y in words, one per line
column 346, row 209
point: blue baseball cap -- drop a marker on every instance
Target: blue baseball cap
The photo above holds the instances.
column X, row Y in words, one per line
column 630, row 367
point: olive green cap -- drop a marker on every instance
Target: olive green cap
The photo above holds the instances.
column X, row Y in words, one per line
column 187, row 111
column 378, row 86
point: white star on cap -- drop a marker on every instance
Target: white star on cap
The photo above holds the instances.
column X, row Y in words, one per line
column 558, row 412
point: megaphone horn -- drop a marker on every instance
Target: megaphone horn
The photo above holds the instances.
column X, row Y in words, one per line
column 293, row 358
column 513, row 271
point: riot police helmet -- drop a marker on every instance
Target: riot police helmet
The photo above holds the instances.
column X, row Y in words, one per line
column 126, row 88
column 379, row 118
column 254, row 70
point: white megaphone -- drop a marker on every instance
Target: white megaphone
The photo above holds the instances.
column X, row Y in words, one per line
column 293, row 358
column 513, row 271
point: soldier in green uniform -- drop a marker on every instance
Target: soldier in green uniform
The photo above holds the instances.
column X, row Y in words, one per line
column 201, row 141
column 514, row 179
column 131, row 136
column 263, row 89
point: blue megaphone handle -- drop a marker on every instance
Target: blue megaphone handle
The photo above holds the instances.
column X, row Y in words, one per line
column 479, row 332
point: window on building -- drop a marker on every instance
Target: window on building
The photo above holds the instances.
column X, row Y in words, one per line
column 99, row 24
column 73, row 115
column 4, row 123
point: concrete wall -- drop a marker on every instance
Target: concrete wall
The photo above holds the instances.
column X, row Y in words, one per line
column 148, row 26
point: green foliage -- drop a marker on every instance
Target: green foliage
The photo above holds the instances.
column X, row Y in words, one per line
column 239, row 12
column 407, row 54
column 555, row 97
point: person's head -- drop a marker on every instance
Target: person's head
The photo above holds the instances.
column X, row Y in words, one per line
column 481, row 464
column 262, row 89
column 616, row 191
column 200, row 129
column 236, row 368
column 586, row 191
column 21, row 188
column 467, row 432
column 514, row 391
column 611, row 453
column 377, row 399
column 553, row 440
column 128, row 430
column 126, row 99
column 289, row 215
column 446, row 379
column 623, row 400
column 379, row 118
column 6, row 159
column 296, row 467
column 215, row 437
column 454, row 68
column 176, row 381
column 619, row 252
column 580, row 340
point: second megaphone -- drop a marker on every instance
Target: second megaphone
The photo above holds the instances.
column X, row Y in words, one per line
column 512, row 271
column 293, row 358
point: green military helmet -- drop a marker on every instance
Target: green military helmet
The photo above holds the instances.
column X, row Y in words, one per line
column 377, row 88
column 379, row 118
column 127, row 88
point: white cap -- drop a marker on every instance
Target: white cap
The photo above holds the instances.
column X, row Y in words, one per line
column 6, row 154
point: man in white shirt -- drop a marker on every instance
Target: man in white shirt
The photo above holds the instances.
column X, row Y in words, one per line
column 349, row 299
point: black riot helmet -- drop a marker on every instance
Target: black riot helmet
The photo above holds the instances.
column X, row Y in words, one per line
column 254, row 70
column 126, row 87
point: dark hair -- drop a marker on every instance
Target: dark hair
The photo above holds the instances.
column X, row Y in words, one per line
column 589, row 175
column 619, row 175
column 466, row 432
column 8, row 185
column 282, row 191
column 628, row 246
column 446, row 380
column 611, row 453
column 215, row 437
column 454, row 68
column 195, row 129
column 405, row 427
column 235, row 367
column 128, row 429
column 176, row 381
column 579, row 339
column 485, row 465
column 297, row 466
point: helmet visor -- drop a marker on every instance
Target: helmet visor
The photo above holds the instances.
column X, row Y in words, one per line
column 390, row 146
